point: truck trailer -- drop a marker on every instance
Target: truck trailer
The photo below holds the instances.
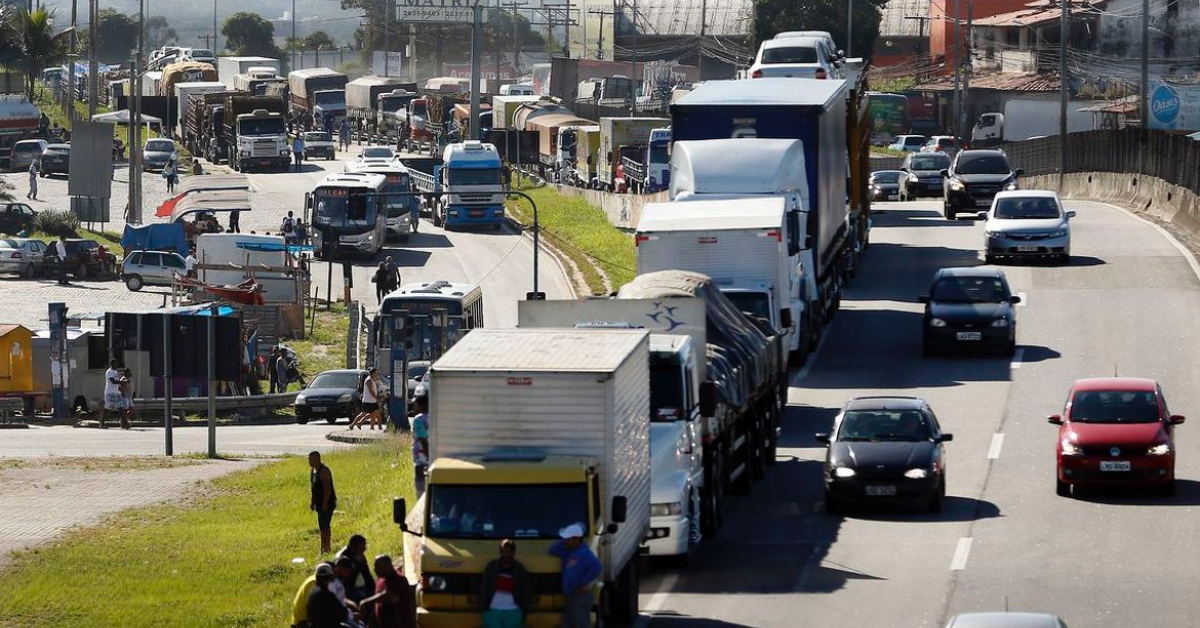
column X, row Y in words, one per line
column 228, row 68
column 318, row 94
column 619, row 136
column 362, row 99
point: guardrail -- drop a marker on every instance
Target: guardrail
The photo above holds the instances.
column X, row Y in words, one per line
column 246, row 405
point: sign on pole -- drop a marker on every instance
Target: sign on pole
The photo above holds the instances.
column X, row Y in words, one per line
column 438, row 11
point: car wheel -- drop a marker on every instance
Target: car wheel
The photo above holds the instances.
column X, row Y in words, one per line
column 938, row 501
column 1062, row 489
column 331, row 420
column 833, row 505
column 134, row 283
column 1010, row 350
column 29, row 271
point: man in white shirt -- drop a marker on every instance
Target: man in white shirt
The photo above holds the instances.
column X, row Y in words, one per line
column 60, row 248
column 189, row 263
column 113, row 400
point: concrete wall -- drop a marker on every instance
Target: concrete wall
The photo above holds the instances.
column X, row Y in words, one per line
column 624, row 211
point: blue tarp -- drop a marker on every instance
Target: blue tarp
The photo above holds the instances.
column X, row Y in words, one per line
column 155, row 237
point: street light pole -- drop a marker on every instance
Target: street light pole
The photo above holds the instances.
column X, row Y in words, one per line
column 1062, row 94
column 294, row 36
column 214, row 42
column 849, row 28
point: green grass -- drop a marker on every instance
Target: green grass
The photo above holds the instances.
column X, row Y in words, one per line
column 101, row 463
column 110, row 239
column 582, row 232
column 223, row 558
column 325, row 348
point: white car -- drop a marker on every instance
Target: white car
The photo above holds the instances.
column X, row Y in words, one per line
column 826, row 38
column 794, row 57
column 151, row 268
column 373, row 156
column 908, row 143
column 1027, row 223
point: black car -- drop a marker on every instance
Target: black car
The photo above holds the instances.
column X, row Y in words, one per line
column 86, row 260
column 884, row 185
column 974, row 178
column 15, row 218
column 56, row 160
column 923, row 175
column 330, row 396
column 970, row 308
column 885, row 450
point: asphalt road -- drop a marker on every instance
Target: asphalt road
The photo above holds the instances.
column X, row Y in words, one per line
column 40, row 442
column 1125, row 305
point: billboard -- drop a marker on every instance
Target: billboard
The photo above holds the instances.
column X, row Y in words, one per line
column 386, row 63
column 1174, row 106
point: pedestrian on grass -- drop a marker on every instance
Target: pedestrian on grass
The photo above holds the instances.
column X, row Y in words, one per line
column 420, row 442
column 324, row 497
column 33, row 177
column 60, row 248
column 113, row 401
column 580, row 568
column 325, row 610
column 504, row 592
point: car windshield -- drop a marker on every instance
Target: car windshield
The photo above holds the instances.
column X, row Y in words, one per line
column 982, row 164
column 970, row 290
column 316, row 136
column 1115, row 406
column 1026, row 208
column 160, row 146
column 330, row 98
column 884, row 425
column 930, row 162
column 27, row 148
column 517, row 511
column 474, row 176
column 415, row 371
column 377, row 153
column 889, row 176
column 914, row 140
column 335, row 380
column 796, row 54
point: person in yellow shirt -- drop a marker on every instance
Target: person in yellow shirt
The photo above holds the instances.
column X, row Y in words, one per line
column 300, row 604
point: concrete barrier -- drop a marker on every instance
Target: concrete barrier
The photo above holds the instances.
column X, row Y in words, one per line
column 624, row 211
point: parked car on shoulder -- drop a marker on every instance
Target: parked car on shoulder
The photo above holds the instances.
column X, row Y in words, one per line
column 908, row 143
column 26, row 152
column 885, row 450
column 86, row 259
column 331, row 396
column 56, row 160
column 924, row 172
column 151, row 268
column 16, row 218
column 22, row 256
column 318, row 144
column 973, row 180
column 1027, row 224
column 969, row 308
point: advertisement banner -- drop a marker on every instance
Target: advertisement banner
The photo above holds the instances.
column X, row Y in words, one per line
column 1174, row 106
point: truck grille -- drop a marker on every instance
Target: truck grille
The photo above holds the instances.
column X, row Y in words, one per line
column 475, row 199
column 468, row 584
column 264, row 148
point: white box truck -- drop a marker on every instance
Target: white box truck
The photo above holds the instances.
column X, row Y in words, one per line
column 739, row 243
column 623, row 135
column 229, row 67
column 534, row 430
column 184, row 92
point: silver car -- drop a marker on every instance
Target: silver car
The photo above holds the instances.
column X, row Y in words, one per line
column 158, row 152
column 22, row 256
column 1027, row 223
column 26, row 152
column 153, row 268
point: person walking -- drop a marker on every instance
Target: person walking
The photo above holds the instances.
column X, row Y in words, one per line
column 393, row 274
column 235, row 221
column 33, row 177
column 127, row 410
column 505, row 592
column 60, row 248
column 282, row 371
column 171, row 175
column 324, row 497
column 380, row 281
column 272, row 372
column 113, row 401
column 298, row 150
column 287, row 228
column 344, row 134
column 370, row 402
column 420, row 442
column 580, row 568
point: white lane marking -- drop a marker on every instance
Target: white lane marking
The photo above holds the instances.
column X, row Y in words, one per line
column 660, row 596
column 812, row 357
column 1024, row 299
column 997, row 444
column 1183, row 250
column 1016, row 359
column 961, row 553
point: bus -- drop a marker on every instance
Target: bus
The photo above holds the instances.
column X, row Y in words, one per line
column 348, row 215
column 889, row 116
column 403, row 212
column 430, row 317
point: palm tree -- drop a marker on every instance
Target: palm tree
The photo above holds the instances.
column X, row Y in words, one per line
column 40, row 45
column 10, row 44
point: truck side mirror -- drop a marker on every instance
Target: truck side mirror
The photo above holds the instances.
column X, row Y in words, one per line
column 785, row 318
column 793, row 224
column 399, row 511
column 708, row 398
column 620, row 508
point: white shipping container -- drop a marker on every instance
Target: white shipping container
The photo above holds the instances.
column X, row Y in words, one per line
column 582, row 394
column 150, row 83
column 229, row 67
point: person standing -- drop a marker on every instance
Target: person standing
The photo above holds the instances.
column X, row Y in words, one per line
column 282, row 376
column 33, row 177
column 113, row 401
column 420, row 446
column 235, row 221
column 272, row 373
column 189, row 264
column 324, row 497
column 60, row 248
column 344, row 134
column 393, row 275
column 580, row 568
column 380, row 281
column 288, row 227
column 504, row 593
column 170, row 175
column 370, row 401
column 127, row 409
column 298, row 150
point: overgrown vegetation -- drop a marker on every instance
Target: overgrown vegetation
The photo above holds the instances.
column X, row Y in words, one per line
column 581, row 232
column 325, row 348
column 233, row 555
column 57, row 222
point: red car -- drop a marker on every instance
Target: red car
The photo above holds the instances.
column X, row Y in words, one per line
column 1115, row 430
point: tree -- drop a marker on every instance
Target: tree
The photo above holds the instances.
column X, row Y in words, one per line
column 10, row 41
column 320, row 40
column 248, row 34
column 116, row 36
column 41, row 47
column 159, row 33
column 776, row 16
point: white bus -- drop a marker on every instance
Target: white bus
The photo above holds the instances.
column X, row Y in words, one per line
column 348, row 215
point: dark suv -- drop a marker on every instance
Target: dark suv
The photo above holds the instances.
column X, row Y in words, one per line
column 974, row 178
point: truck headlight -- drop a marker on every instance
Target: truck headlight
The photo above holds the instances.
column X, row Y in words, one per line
column 243, row 152
column 666, row 510
column 283, row 153
column 844, row 472
column 435, row 583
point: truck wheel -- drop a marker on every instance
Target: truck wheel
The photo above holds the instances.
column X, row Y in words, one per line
column 624, row 599
column 759, row 450
column 712, row 498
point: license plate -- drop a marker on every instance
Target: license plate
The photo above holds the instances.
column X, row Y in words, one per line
column 969, row 335
column 1114, row 465
column 320, row 409
column 476, row 214
column 881, row 491
column 1027, row 248
column 983, row 203
column 893, row 197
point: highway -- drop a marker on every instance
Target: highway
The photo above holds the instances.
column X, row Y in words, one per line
column 1125, row 305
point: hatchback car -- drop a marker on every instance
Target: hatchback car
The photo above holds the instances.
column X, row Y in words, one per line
column 1005, row 620
column 22, row 256
column 15, row 218
column 908, row 143
column 26, row 152
column 151, row 268
column 794, row 57
column 969, row 308
column 330, row 396
column 884, row 185
column 158, row 152
column 924, row 172
column 973, row 180
column 941, row 144
column 56, row 159
column 1027, row 223
column 1115, row 430
column 885, row 449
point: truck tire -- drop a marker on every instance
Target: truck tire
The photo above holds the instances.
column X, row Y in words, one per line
column 623, row 600
column 712, row 498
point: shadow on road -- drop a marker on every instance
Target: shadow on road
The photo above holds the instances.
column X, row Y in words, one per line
column 1086, row 260
column 668, row 619
column 1187, row 493
column 895, row 272
column 424, row 240
column 914, row 218
column 404, row 257
column 954, row 509
column 1036, row 353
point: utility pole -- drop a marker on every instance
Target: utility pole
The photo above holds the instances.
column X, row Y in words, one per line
column 849, row 28
column 600, row 37
column 70, row 91
column 412, row 51
column 512, row 7
column 207, row 39
column 214, row 37
column 958, row 48
column 1062, row 93
column 293, row 66
column 966, row 76
column 135, row 123
column 93, row 63
column 476, row 58
column 1144, row 101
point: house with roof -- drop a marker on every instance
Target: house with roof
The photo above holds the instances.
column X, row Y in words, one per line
column 903, row 34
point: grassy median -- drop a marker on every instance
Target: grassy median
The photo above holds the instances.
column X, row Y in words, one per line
column 582, row 232
column 223, row 558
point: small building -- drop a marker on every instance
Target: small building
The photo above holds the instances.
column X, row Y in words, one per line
column 1028, row 40
column 16, row 365
column 948, row 22
column 87, row 359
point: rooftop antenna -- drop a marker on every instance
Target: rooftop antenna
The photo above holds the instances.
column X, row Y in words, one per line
column 1115, row 371
column 1006, row 603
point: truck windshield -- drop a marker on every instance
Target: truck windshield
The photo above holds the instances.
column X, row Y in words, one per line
column 398, row 205
column 391, row 105
column 419, row 109
column 265, row 126
column 666, row 391
column 522, row 511
column 339, row 209
column 474, row 176
column 330, row 98
column 756, row 304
